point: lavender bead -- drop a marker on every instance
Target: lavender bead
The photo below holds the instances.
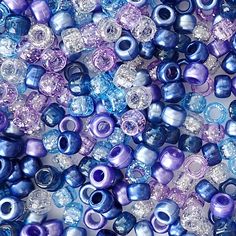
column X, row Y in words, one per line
column 157, row 226
column 162, row 175
column 70, row 123
column 36, row 101
column 222, row 205
column 158, row 191
column 35, row 148
column 53, row 227
column 213, row 133
column 120, row 193
column 41, row 11
column 219, row 48
column 16, row 6
column 87, row 145
column 171, row 158
column 33, row 229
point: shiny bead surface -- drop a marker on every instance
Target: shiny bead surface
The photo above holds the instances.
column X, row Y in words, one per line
column 196, row 51
column 41, row 11
column 73, row 213
column 215, row 113
column 211, row 153
column 194, row 102
column 143, row 227
column 162, row 175
column 222, row 86
column 138, row 191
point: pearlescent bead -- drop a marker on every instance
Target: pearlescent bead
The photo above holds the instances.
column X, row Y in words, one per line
column 218, row 48
column 229, row 187
column 222, row 86
column 228, row 64
column 34, row 147
column 206, row 6
column 138, row 191
column 224, row 226
column 211, row 153
column 17, row 7
column 86, row 164
column 70, row 123
column 33, row 228
column 73, row 213
column 85, row 191
column 74, row 231
column 73, row 176
column 41, row 11
column 162, row 175
column 14, row 175
column 89, row 220
column 185, row 23
column 53, row 227
column 143, row 228
column 215, row 113
column 213, row 133
column 21, row 188
column 10, row 147
column 154, row 112
column 50, row 140
column 176, row 229
column 6, row 169
column 120, row 193
column 194, row 102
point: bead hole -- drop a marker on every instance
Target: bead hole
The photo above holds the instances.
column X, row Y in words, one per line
column 95, row 218
column 33, row 231
column 192, row 49
column 44, row 177
column 163, row 216
column 70, row 125
column 63, row 143
column 103, row 127
column 124, row 45
column 223, row 200
column 214, row 113
column 98, row 175
column 6, row 208
column 164, row 13
column 183, row 6
column 115, row 151
column 171, row 73
column 230, row 189
column 130, row 127
column 96, row 198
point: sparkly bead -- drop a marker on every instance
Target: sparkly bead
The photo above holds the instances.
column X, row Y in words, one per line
column 9, row 93
column 50, row 140
column 36, row 101
column 211, row 153
column 193, row 124
column 84, row 6
column 213, row 133
column 158, row 191
column 39, row 201
column 87, row 145
column 62, row 161
column 29, row 53
column 178, row 196
column 112, row 7
column 215, row 113
column 73, row 213
column 201, row 32
column 212, row 64
column 228, row 148
column 4, row 122
column 8, row 46
column 101, row 151
column 117, row 137
column 184, row 182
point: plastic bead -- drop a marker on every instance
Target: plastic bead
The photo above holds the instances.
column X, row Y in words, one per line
column 35, row 228
column 211, row 153
column 35, row 148
column 213, row 133
column 185, row 23
column 143, row 227
column 228, row 63
column 83, row 192
column 224, row 226
column 120, row 193
column 73, row 213
column 222, row 86
column 16, row 173
column 54, row 227
column 193, row 124
column 50, row 140
column 21, row 188
column 73, row 176
column 194, row 102
column 74, row 231
column 138, row 191
column 228, row 186
column 215, row 113
column 162, row 175
column 158, row 227
column 6, row 168
column 173, row 134
column 196, row 51
column 176, row 229
column 218, row 48
column 16, row 7
column 9, row 147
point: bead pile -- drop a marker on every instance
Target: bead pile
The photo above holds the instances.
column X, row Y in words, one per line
column 112, row 117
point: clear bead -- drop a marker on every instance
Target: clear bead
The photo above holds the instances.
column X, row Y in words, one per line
column 62, row 162
column 201, row 32
column 50, row 140
column 111, row 7
column 184, row 182
column 117, row 137
column 8, row 46
column 73, row 213
column 84, row 6
column 193, row 124
column 39, row 201
column 101, row 151
column 228, row 148
column 178, row 196
column 212, row 64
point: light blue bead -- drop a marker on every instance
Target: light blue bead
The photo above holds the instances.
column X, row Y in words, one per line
column 111, row 7
column 228, row 148
column 101, row 151
column 194, row 102
column 33, row 217
column 232, row 165
column 21, row 88
column 8, row 46
column 75, row 231
column 50, row 140
column 81, row 106
column 143, row 228
column 230, row 128
column 58, row 5
column 73, row 213
column 215, row 113
column 64, row 196
column 117, row 137
column 100, row 84
column 82, row 19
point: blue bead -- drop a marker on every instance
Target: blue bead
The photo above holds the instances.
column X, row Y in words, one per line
column 10, row 228
column 228, row 148
column 10, row 148
column 229, row 187
column 184, row 41
column 230, row 128
column 225, row 227
column 79, row 84
column 194, row 102
column 166, row 211
column 105, row 232
column 211, row 153
column 233, row 42
column 138, row 191
column 74, row 68
column 229, row 63
column 222, row 86
column 69, row 142
column 86, row 164
column 206, row 190
column 30, row 165
column 114, row 211
column 189, row 143
column 74, row 231
column 84, row 192
column 176, row 229
column 4, row 12
column 166, row 54
column 6, row 169
column 215, row 113
column 154, row 112
column 142, row 78
column 100, row 84
column 73, row 176
column 227, row 10
column 22, row 188
column 173, row 134
column 197, row 51
column 232, row 110
column 53, row 115
column 126, row 48
column 111, row 7
column 206, row 5
column 124, row 223
column 16, row 172
column 73, row 213
column 184, row 24
column 34, row 74
column 146, row 50
column 173, row 92
column 143, row 227
column 33, row 217
column 188, row 10
column 168, row 72
column 165, row 38
column 50, row 140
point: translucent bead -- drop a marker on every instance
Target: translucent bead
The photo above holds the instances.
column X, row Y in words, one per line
column 84, row 6
column 212, row 64
column 73, row 213
column 145, row 30
column 36, row 101
column 39, row 201
column 111, row 7
column 178, row 196
column 228, row 148
column 8, row 93
column 117, row 137
column 64, row 196
column 101, row 151
column 82, row 19
column 158, row 191
column 81, row 106
column 41, row 36
column 13, row 70
column 56, row 5
column 62, row 161
column 138, row 97
column 50, row 140
column 109, row 29
column 201, row 32
column 205, row 89
column 194, row 102
column 65, row 97
column 213, row 133
column 218, row 174
column 72, row 40
column 215, row 113
column 193, row 124
column 232, row 165
column 133, row 122
column 184, row 182
column 8, row 46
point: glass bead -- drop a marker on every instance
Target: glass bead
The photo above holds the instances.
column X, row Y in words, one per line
column 50, row 140
column 60, row 5
column 36, row 101
column 62, row 161
column 201, row 32
column 88, row 144
column 117, row 137
column 72, row 40
column 213, row 133
column 193, row 124
column 228, row 148
column 212, row 64
column 73, row 213
column 215, row 113
column 194, row 102
column 4, row 191
column 84, row 6
column 81, row 106
column 8, row 93
column 8, row 46
column 178, row 196
column 101, row 151
column 184, row 182
column 5, row 11
column 64, row 196
column 82, row 19
column 41, row 36
column 109, row 29
column 133, row 122
column 158, row 191
column 39, row 201
column 138, row 97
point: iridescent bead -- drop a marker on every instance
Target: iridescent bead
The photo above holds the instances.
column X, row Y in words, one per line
column 100, row 84
column 53, row 60
column 62, row 161
column 8, row 93
column 88, row 144
column 217, row 174
column 219, row 48
column 178, row 196
column 17, row 7
column 215, row 113
column 41, row 36
column 84, row 6
column 29, row 53
column 50, row 140
column 65, row 97
column 73, row 213
column 184, row 182
column 138, row 97
column 64, row 196
column 158, row 191
column 201, row 32
column 36, row 101
column 193, row 124
column 8, row 46
column 39, row 201
column 228, row 148
column 51, row 84
column 117, row 137
column 133, row 122
column 213, row 133
column 101, row 151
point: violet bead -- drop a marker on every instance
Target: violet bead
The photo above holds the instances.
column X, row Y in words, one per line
column 33, row 230
column 219, row 48
column 35, row 148
column 53, row 227
column 157, row 226
column 162, row 175
column 36, row 101
column 120, row 193
column 41, row 11
column 16, row 6
column 4, row 123
column 87, row 145
column 71, row 123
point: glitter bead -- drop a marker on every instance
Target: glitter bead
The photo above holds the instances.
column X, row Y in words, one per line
column 29, row 53
column 8, row 93
column 50, row 140
column 36, row 101
column 39, row 201
column 62, row 161
column 201, row 32
column 212, row 64
column 101, row 151
column 184, row 182
column 111, row 7
column 205, row 89
column 117, row 137
column 215, row 113
column 228, row 148
column 73, row 213
column 65, row 97
column 218, row 174
column 158, row 191
column 87, row 144
column 193, row 124
column 213, row 133
column 8, row 46
column 178, row 196
column 84, row 6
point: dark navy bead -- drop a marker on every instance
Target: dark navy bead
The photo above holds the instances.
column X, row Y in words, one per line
column 74, row 68
column 173, row 134
column 114, row 211
column 229, row 63
column 73, row 176
column 197, row 51
column 86, row 164
column 105, row 232
column 69, row 142
column 79, row 84
column 166, row 54
column 230, row 128
column 189, row 143
column 13, row 131
column 222, row 86
column 227, row 10
column 232, row 110
column 142, row 78
column 124, row 223
column 173, row 92
column 184, row 24
column 168, row 72
column 211, row 153
column 176, row 229
column 206, row 5
column 165, row 39
column 206, row 190
column 225, row 227
column 53, row 115
column 22, row 188
column 233, row 42
column 16, row 172
column 229, row 187
column 184, row 41
column 139, row 191
column 30, row 165
column 34, row 74
column 143, row 227
column 146, row 50
column 10, row 147
column 6, row 169
column 137, row 138
column 189, row 9
column 154, row 112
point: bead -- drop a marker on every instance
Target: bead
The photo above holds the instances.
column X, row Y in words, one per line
column 41, row 11
column 53, row 227
column 222, row 86
column 30, row 165
column 16, row 7
column 194, row 102
column 10, row 228
column 173, row 134
column 21, row 188
column 146, row 50
column 105, row 232
column 138, row 191
column 184, row 182
column 73, row 213
column 206, row 6
column 36, row 101
column 196, row 51
column 193, row 124
column 176, row 229
column 232, row 107
column 218, row 174
column 73, row 176
column 84, row 192
column 166, row 211
column 75, row 231
column 154, row 112
column 158, row 191
column 86, row 164
column 174, row 115
column 206, row 190
column 142, row 209
column 215, row 113
column 211, row 153
column 224, row 226
column 218, row 48
column 74, row 68
column 228, row 64
column 231, row 165
column 33, row 229
column 11, row 208
column 6, row 168
column 138, row 3
column 89, row 219
column 185, row 23
column 222, row 205
column 50, row 140
column 9, row 147
column 101, row 151
column 228, row 186
column 158, row 227
column 16, row 173
column 143, row 228
column 4, row 122
column 213, row 133
column 201, row 32
column 35, row 148
column 120, row 193
column 189, row 9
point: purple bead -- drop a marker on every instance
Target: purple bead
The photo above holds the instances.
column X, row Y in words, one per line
column 162, row 175
column 70, row 123
column 89, row 221
column 87, row 145
column 53, row 227
column 120, row 193
column 102, row 176
column 219, row 48
column 155, row 91
column 65, row 97
column 158, row 191
column 9, row 93
column 4, row 123
column 196, row 73
column 178, row 196
column 171, row 158
column 205, row 89
column 157, row 226
column 41, row 11
column 222, row 205
column 213, row 133
column 36, row 101
column 35, row 148
column 120, row 156
column 32, row 230
column 16, row 6
column 102, row 125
